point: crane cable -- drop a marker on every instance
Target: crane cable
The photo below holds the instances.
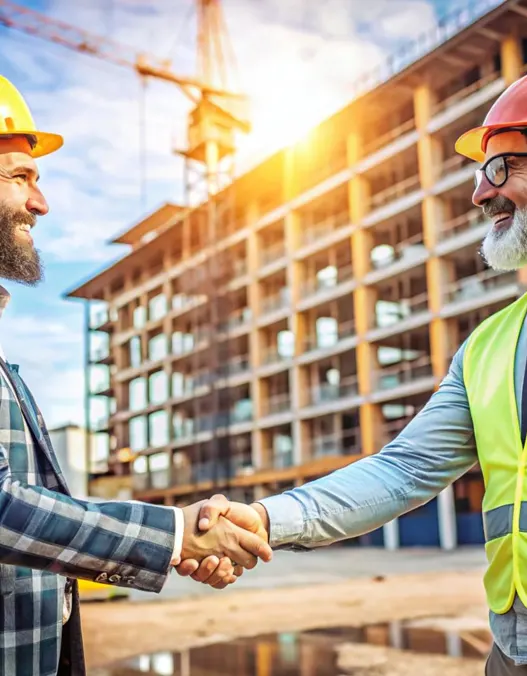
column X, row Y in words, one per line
column 143, row 173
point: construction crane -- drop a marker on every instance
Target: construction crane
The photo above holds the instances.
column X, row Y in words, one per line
column 218, row 114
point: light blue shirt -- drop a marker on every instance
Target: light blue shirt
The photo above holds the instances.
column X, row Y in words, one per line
column 433, row 450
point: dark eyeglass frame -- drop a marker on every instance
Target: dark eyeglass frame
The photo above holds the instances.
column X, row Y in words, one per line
column 483, row 169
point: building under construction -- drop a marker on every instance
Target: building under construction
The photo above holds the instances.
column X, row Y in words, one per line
column 297, row 320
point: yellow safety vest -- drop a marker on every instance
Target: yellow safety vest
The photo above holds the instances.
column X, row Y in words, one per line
column 488, row 372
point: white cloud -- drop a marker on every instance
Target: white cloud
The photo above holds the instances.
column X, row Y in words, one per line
column 50, row 357
column 410, row 19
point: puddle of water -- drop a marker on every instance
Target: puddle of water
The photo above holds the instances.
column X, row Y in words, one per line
column 308, row 653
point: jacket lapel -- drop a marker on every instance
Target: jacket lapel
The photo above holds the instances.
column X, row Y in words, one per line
column 33, row 417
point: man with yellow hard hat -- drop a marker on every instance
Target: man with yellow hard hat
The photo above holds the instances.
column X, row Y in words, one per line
column 48, row 539
column 478, row 413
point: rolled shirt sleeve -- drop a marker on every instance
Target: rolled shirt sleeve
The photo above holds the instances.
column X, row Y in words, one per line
column 432, row 451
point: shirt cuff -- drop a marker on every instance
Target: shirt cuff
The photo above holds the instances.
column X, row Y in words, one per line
column 178, row 535
column 286, row 519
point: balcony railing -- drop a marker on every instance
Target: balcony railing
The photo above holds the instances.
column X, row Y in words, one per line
column 240, row 267
column 272, row 253
column 402, row 309
column 234, row 366
column 100, row 353
column 236, row 319
column 462, row 94
column 320, row 342
column 278, row 403
column 277, row 301
column 476, row 285
column 345, row 443
column 325, row 392
column 384, row 139
column 403, row 250
column 234, row 416
column 312, row 232
column 100, row 424
column 316, row 285
column 452, row 164
column 403, row 372
column 394, row 192
column 101, row 385
column 474, row 218
column 280, row 460
column 271, row 355
column 102, row 317
column 182, row 476
column 184, row 429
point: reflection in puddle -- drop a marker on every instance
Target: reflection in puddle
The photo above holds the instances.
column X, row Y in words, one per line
column 308, row 653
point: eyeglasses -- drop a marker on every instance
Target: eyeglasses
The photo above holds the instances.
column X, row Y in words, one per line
column 496, row 170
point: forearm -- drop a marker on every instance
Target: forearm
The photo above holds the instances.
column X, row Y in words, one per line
column 129, row 541
column 355, row 500
column 434, row 449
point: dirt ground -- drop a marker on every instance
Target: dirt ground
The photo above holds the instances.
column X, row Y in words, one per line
column 117, row 631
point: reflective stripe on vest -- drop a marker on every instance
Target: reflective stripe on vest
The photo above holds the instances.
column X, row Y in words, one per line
column 497, row 522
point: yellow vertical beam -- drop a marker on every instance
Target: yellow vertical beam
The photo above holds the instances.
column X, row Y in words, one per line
column 512, row 69
column 264, row 659
column 297, row 376
column 429, row 159
column 511, row 58
column 364, row 298
column 252, row 254
column 167, row 365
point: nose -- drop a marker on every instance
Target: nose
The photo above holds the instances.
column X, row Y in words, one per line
column 484, row 192
column 36, row 203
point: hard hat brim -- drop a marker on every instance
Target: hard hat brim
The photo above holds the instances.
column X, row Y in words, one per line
column 46, row 143
column 471, row 143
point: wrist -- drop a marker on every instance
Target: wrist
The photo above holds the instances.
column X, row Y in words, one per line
column 188, row 531
column 179, row 531
column 264, row 516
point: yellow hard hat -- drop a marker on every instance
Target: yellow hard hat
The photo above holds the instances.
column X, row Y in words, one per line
column 16, row 120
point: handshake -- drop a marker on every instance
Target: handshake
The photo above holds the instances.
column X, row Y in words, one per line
column 221, row 538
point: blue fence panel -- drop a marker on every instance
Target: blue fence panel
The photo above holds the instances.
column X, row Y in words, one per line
column 420, row 528
column 470, row 529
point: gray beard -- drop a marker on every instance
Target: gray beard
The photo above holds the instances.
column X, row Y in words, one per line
column 507, row 250
column 19, row 261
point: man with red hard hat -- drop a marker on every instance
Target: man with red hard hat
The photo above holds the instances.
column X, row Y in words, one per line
column 479, row 413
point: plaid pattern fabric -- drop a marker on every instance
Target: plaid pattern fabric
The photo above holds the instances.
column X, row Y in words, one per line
column 47, row 536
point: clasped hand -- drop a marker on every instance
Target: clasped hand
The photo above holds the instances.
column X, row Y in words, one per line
column 221, row 538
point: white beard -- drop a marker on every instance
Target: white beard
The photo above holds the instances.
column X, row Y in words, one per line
column 507, row 250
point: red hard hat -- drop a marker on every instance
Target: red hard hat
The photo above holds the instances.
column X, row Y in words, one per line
column 509, row 110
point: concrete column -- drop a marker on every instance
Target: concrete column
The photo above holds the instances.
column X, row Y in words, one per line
column 396, row 634
column 511, row 58
column 429, row 154
column 446, row 514
column 254, row 338
column 454, row 646
column 391, row 535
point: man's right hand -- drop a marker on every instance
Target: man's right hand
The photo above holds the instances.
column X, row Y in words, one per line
column 252, row 519
column 243, row 543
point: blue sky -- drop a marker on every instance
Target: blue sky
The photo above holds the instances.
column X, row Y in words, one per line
column 297, row 60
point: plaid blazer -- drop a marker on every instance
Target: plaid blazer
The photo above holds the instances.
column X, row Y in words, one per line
column 48, row 539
